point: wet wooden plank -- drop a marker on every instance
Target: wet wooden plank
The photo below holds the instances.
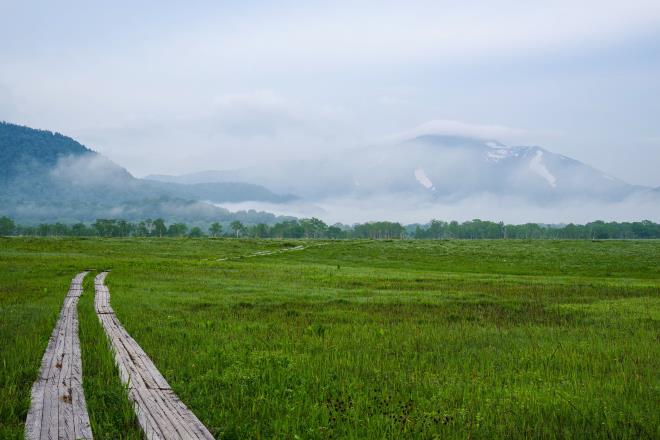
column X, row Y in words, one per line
column 57, row 408
column 160, row 413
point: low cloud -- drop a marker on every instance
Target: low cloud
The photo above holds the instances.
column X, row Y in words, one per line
column 410, row 209
column 458, row 128
column 90, row 170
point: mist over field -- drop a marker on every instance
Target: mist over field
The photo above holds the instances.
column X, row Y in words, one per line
column 408, row 210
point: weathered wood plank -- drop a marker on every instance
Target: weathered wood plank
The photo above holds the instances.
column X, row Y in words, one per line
column 58, row 409
column 160, row 413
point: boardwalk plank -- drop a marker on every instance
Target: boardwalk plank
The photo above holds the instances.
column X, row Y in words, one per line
column 160, row 412
column 58, row 409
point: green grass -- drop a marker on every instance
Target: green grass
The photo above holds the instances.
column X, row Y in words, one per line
column 111, row 414
column 356, row 339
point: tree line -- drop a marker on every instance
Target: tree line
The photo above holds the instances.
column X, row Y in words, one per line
column 600, row 230
column 313, row 228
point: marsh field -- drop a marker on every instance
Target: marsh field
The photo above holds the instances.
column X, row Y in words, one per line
column 354, row 339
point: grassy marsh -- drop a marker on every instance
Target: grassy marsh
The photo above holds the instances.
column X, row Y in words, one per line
column 356, row 339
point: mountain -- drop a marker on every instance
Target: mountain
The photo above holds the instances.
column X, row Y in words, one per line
column 24, row 150
column 452, row 168
column 46, row 176
column 436, row 167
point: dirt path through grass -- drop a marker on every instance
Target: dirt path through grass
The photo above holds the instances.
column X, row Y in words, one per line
column 58, row 408
column 275, row 252
column 160, row 412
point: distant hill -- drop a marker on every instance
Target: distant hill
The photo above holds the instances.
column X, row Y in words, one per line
column 24, row 149
column 209, row 176
column 47, row 176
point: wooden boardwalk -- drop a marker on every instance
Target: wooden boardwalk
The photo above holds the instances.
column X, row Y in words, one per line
column 160, row 412
column 58, row 409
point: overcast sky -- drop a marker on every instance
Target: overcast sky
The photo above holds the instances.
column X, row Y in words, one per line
column 174, row 87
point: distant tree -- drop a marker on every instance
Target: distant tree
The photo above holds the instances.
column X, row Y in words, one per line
column 177, row 230
column 104, row 227
column 259, row 230
column 195, row 232
column 287, row 229
column 334, row 232
column 159, row 228
column 437, row 229
column 453, row 229
column 313, row 227
column 80, row 230
column 60, row 229
column 215, row 230
column 149, row 227
column 124, row 228
column 141, row 229
column 307, row 226
column 379, row 230
column 237, row 227
column 7, row 226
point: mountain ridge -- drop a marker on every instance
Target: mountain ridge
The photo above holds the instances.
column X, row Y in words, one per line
column 443, row 168
column 46, row 175
column 49, row 176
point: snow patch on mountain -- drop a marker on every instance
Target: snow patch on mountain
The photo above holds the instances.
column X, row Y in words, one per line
column 423, row 179
column 497, row 151
column 537, row 165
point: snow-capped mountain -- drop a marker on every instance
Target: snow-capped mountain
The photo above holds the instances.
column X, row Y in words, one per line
column 456, row 167
column 446, row 168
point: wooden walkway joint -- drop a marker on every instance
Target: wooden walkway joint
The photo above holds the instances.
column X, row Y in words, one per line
column 160, row 412
column 58, row 409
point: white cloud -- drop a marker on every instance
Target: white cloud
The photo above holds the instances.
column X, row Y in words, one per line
column 458, row 128
column 373, row 33
column 267, row 113
column 90, row 170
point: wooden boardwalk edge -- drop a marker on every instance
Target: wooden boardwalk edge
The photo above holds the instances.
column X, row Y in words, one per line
column 161, row 414
column 57, row 408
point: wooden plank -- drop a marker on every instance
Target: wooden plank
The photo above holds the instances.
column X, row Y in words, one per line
column 161, row 414
column 58, row 409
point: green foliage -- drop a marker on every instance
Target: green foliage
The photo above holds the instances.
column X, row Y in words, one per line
column 316, row 229
column 237, row 227
column 215, row 229
column 22, row 147
column 7, row 226
column 177, row 230
column 196, row 232
column 111, row 414
column 378, row 230
column 485, row 229
column 159, row 227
